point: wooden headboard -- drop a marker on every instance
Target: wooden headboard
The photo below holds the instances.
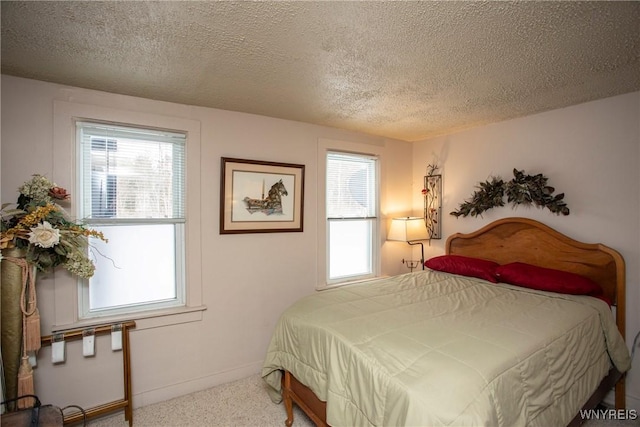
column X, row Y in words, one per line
column 525, row 240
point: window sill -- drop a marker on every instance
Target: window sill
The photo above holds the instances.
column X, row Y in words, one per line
column 144, row 320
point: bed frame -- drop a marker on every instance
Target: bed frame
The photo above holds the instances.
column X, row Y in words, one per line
column 510, row 240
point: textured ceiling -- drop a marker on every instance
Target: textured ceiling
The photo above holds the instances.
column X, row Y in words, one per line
column 405, row 70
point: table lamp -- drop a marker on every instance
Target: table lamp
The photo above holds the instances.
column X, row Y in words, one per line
column 411, row 230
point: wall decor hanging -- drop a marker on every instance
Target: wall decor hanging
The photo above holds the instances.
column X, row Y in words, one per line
column 521, row 190
column 432, row 192
column 261, row 197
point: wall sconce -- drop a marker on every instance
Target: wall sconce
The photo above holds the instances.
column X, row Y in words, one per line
column 410, row 230
column 432, row 192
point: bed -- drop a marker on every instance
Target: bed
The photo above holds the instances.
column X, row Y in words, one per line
column 437, row 347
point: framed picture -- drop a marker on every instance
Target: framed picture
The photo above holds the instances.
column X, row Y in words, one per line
column 261, row 197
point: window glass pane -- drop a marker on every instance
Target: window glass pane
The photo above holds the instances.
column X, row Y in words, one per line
column 136, row 266
column 350, row 250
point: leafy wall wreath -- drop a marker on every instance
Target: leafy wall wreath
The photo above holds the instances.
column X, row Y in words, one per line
column 521, row 190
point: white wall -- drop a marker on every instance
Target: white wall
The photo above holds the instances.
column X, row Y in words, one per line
column 591, row 152
column 248, row 280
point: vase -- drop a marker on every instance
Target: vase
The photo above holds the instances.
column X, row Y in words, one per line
column 11, row 319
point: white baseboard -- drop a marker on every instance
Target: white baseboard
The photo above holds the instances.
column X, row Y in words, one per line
column 150, row 397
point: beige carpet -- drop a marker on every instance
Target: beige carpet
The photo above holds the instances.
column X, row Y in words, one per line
column 242, row 403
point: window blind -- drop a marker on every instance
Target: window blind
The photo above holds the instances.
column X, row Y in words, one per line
column 351, row 186
column 130, row 173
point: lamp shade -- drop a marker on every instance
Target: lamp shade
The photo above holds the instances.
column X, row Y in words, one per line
column 408, row 229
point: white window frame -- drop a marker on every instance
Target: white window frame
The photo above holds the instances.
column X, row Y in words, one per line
column 325, row 146
column 66, row 297
column 84, row 287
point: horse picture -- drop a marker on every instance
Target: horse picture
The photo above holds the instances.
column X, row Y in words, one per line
column 269, row 205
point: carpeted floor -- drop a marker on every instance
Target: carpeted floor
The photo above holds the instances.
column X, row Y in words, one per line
column 242, row 403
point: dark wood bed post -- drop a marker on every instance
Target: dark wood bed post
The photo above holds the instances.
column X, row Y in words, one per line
column 621, row 315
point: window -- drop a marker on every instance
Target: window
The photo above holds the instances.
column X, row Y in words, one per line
column 132, row 188
column 351, row 214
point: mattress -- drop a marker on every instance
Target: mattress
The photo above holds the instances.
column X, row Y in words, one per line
column 435, row 349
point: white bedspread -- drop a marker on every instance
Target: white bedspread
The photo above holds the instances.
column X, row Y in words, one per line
column 434, row 349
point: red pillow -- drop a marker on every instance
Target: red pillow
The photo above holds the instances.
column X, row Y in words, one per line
column 465, row 266
column 546, row 279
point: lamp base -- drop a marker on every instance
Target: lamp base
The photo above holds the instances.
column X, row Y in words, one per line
column 412, row 264
column 421, row 251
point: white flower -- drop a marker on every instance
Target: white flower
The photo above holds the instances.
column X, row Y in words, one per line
column 44, row 235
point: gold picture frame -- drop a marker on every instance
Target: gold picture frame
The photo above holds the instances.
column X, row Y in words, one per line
column 261, row 197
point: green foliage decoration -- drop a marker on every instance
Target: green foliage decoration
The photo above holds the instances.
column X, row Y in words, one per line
column 521, row 190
